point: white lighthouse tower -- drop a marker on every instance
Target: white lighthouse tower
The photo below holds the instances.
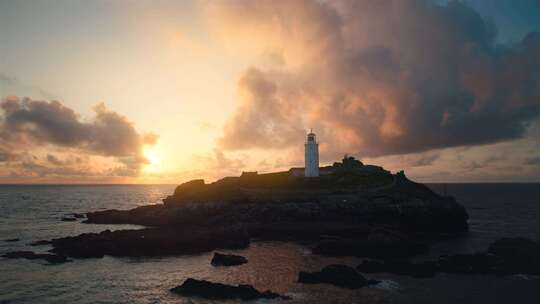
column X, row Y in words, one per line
column 311, row 156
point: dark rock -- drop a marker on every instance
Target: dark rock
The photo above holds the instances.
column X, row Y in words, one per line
column 339, row 275
column 387, row 235
column 520, row 255
column 209, row 290
column 78, row 215
column 308, row 231
column 151, row 215
column 193, row 186
column 19, row 254
column 68, row 219
column 151, row 242
column 421, row 270
column 227, row 259
column 40, row 243
column 504, row 257
column 424, row 211
column 51, row 258
column 12, row 240
column 371, row 248
column 476, row 263
column 56, row 259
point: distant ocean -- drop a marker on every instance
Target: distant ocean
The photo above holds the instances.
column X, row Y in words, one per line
column 33, row 213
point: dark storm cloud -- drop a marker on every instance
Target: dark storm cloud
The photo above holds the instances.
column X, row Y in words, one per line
column 422, row 160
column 54, row 160
column 265, row 120
column 40, row 123
column 532, row 161
column 34, row 169
column 382, row 77
column 6, row 156
column 43, row 122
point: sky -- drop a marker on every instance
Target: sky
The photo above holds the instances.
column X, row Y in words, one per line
column 167, row 91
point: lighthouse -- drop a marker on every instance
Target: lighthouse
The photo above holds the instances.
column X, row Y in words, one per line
column 311, row 156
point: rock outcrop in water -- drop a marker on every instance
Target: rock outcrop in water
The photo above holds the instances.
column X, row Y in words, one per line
column 68, row 219
column 41, row 243
column 338, row 275
column 29, row 255
column 519, row 255
column 220, row 259
column 371, row 249
column 217, row 291
column 503, row 257
column 151, row 242
column 381, row 242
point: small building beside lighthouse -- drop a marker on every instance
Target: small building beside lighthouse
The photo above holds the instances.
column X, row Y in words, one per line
column 349, row 165
column 311, row 156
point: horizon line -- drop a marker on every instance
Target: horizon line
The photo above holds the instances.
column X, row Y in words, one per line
column 175, row 184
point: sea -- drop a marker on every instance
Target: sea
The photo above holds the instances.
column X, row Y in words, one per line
column 32, row 213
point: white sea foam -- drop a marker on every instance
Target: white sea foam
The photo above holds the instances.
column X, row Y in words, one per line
column 305, row 251
column 526, row 277
column 388, row 285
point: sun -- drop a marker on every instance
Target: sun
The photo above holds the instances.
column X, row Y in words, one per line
column 154, row 161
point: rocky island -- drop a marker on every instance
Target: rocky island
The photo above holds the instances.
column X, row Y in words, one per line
column 350, row 209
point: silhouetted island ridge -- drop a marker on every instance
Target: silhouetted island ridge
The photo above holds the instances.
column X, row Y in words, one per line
column 348, row 202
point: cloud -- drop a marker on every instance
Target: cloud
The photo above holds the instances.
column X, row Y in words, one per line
column 35, row 169
column 32, row 123
column 6, row 155
column 218, row 160
column 262, row 119
column 377, row 77
column 217, row 164
column 54, row 160
column 415, row 160
column 532, row 161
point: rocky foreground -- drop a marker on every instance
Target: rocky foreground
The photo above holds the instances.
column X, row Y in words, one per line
column 503, row 257
column 29, row 255
column 338, row 275
column 150, row 242
column 220, row 259
column 217, row 291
